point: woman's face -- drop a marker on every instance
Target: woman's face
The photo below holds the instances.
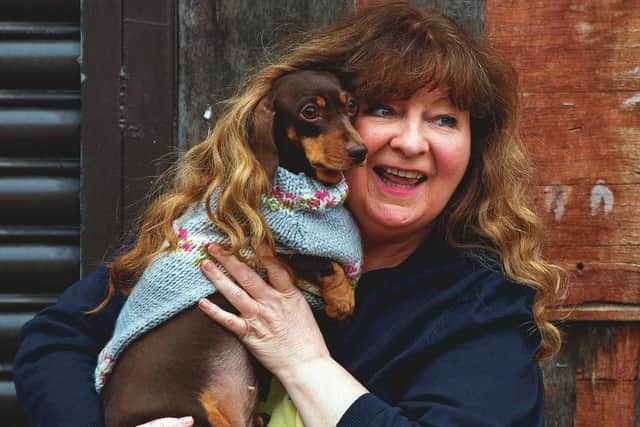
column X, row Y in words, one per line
column 419, row 150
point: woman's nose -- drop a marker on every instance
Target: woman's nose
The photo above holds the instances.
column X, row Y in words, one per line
column 411, row 139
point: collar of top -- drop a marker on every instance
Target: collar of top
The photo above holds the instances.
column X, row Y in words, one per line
column 299, row 192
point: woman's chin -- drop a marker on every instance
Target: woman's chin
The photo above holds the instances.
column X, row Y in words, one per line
column 394, row 219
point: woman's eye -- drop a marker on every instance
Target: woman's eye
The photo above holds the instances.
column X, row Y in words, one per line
column 310, row 112
column 380, row 111
column 447, row 121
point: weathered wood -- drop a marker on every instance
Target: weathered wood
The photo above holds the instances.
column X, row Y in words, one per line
column 148, row 105
column 602, row 312
column 468, row 13
column 606, row 386
column 564, row 45
column 222, row 40
column 578, row 138
column 592, row 382
column 101, row 192
column 578, row 64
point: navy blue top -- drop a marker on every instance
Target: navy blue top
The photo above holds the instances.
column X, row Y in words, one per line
column 441, row 340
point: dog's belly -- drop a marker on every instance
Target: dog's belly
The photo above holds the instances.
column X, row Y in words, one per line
column 187, row 366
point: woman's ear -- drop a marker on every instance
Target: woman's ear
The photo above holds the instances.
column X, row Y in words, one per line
column 261, row 139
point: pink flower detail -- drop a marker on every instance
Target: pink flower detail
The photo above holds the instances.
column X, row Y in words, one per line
column 321, row 195
column 277, row 192
column 352, row 270
column 182, row 233
column 291, row 196
column 186, row 246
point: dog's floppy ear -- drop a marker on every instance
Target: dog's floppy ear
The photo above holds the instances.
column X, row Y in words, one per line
column 261, row 139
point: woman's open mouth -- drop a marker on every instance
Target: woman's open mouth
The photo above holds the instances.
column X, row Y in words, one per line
column 399, row 178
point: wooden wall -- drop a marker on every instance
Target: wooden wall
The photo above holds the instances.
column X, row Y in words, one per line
column 579, row 63
column 220, row 41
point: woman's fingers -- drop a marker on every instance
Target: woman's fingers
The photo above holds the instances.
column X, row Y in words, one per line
column 280, row 275
column 232, row 292
column 244, row 275
column 170, row 422
column 233, row 323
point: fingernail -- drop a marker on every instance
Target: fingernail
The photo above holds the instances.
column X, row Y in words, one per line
column 207, row 265
column 214, row 249
column 205, row 303
column 186, row 421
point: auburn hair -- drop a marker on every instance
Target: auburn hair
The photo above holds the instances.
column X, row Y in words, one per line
column 388, row 52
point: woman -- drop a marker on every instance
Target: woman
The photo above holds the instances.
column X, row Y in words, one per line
column 450, row 312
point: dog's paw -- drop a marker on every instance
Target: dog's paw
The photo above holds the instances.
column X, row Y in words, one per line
column 340, row 310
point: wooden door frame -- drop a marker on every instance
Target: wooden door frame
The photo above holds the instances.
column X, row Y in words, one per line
column 128, row 95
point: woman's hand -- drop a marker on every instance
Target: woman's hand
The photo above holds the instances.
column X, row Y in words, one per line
column 274, row 321
column 170, row 422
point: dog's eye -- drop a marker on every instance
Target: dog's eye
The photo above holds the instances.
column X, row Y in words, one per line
column 310, row 112
column 352, row 107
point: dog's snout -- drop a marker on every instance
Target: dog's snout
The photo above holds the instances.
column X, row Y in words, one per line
column 357, row 153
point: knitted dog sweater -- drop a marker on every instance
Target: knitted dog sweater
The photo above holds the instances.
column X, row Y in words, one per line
column 305, row 216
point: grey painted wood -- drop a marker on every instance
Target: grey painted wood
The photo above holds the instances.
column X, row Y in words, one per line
column 468, row 13
column 149, row 87
column 101, row 136
column 220, row 40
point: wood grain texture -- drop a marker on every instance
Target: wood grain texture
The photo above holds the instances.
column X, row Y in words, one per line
column 222, row 40
column 593, row 380
column 580, row 80
column 468, row 13
column 101, row 139
column 565, row 45
column 606, row 386
column 148, row 81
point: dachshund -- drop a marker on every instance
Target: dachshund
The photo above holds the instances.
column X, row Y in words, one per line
column 190, row 365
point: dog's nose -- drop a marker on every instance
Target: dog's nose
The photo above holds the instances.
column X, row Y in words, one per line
column 357, row 153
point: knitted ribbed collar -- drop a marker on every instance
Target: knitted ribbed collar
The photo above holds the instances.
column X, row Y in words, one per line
column 299, row 192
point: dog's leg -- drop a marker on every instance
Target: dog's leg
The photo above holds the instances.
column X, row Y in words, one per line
column 337, row 293
column 336, row 289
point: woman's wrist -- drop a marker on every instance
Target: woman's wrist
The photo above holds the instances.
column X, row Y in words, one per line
column 322, row 376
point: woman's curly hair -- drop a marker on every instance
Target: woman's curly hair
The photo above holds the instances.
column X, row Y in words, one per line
column 389, row 52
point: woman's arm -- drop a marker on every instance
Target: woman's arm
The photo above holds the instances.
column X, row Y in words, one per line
column 277, row 325
column 57, row 356
column 483, row 374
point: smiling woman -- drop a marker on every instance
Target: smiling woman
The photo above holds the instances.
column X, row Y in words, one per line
column 419, row 149
column 450, row 314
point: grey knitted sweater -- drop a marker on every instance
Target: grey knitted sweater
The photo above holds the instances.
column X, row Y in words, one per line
column 305, row 216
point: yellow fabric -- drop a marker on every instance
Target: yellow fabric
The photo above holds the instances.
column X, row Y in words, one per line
column 279, row 407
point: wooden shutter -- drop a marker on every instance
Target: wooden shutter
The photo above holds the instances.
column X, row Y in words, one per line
column 39, row 167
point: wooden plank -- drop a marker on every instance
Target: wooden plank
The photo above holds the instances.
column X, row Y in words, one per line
column 592, row 381
column 468, row 13
column 578, row 138
column 227, row 38
column 564, row 45
column 597, row 312
column 578, row 64
column 606, row 383
column 149, row 86
column 101, row 191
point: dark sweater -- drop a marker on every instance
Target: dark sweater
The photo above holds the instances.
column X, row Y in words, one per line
column 441, row 340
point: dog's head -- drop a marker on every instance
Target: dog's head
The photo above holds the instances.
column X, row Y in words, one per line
column 304, row 125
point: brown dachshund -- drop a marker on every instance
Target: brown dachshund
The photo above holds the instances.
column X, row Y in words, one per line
column 190, row 365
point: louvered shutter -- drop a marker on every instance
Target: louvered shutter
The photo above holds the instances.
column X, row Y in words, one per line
column 39, row 167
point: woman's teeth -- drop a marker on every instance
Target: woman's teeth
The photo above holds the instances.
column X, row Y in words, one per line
column 399, row 178
column 401, row 173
